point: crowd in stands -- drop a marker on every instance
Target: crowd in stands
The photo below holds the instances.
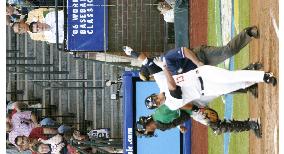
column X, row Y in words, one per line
column 45, row 137
column 37, row 18
column 26, row 133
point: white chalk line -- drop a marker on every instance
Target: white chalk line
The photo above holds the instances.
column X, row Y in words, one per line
column 276, row 29
column 275, row 140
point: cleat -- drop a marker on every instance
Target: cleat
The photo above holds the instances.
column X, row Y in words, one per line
column 253, row 31
column 257, row 66
column 254, row 66
column 269, row 78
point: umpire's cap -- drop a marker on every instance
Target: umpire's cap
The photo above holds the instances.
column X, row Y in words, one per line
column 150, row 102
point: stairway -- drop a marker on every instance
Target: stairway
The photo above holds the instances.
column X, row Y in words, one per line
column 76, row 86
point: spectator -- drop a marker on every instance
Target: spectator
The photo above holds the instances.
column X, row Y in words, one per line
column 48, row 27
column 48, row 148
column 56, row 143
column 9, row 20
column 23, row 4
column 16, row 14
column 25, row 124
column 167, row 11
column 25, row 143
column 38, row 15
column 22, row 27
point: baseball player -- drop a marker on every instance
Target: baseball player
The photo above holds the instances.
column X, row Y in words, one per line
column 165, row 119
column 181, row 60
column 204, row 84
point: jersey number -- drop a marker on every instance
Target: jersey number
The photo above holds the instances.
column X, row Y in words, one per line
column 179, row 79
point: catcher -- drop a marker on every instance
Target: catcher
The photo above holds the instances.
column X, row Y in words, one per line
column 164, row 119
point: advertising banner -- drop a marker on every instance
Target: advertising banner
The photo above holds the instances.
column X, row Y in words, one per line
column 87, row 25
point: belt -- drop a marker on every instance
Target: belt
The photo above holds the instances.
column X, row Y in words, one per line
column 201, row 82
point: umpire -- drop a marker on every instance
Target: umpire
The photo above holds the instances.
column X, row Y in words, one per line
column 208, row 55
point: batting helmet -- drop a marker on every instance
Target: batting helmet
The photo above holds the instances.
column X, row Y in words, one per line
column 150, row 102
column 144, row 73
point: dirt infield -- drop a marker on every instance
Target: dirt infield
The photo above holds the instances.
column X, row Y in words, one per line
column 198, row 35
column 265, row 14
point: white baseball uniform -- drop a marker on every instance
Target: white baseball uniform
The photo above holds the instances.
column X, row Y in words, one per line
column 161, row 81
column 216, row 82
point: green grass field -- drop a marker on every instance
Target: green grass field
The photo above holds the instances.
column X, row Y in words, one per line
column 239, row 143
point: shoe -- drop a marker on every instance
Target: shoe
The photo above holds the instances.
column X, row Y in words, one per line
column 254, row 66
column 256, row 128
column 253, row 31
column 269, row 78
column 257, row 66
column 254, row 90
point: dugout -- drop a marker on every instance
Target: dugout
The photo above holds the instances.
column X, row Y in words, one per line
column 168, row 142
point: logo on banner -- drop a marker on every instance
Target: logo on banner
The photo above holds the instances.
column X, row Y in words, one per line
column 99, row 133
column 87, row 25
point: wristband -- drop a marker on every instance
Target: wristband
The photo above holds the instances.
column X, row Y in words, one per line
column 195, row 108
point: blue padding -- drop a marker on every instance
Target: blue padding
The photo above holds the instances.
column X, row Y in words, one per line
column 187, row 138
column 128, row 111
column 181, row 23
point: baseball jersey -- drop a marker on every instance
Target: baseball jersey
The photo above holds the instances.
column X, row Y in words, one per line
column 216, row 82
column 165, row 115
column 177, row 63
column 161, row 81
column 190, row 90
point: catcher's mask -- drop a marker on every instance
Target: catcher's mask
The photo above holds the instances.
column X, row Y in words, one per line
column 150, row 102
column 211, row 114
column 141, row 126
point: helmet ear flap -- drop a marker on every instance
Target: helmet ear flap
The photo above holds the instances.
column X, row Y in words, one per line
column 144, row 73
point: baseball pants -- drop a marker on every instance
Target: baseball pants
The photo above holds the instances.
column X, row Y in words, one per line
column 211, row 55
column 218, row 81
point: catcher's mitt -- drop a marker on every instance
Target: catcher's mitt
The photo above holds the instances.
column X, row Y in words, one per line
column 210, row 114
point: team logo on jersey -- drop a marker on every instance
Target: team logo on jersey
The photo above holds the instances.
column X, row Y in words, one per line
column 179, row 70
column 179, row 79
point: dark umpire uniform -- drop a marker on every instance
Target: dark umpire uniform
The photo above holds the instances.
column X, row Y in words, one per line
column 209, row 55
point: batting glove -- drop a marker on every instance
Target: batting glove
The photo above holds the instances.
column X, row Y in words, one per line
column 127, row 50
column 160, row 62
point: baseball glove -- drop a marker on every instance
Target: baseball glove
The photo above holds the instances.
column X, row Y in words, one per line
column 210, row 114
